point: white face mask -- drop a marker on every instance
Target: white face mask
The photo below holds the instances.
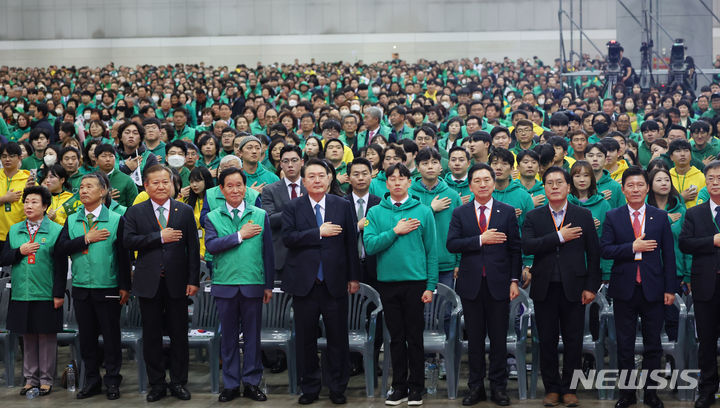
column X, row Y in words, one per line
column 48, row 96
column 376, row 90
column 292, row 102
column 86, row 115
column 98, row 97
column 477, row 97
column 355, row 108
column 50, row 160
column 59, row 112
column 344, row 112
column 155, row 98
column 20, row 106
column 176, row 161
column 541, row 101
column 446, row 105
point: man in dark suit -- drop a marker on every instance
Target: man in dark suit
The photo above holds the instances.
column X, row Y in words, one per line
column 277, row 195
column 700, row 237
column 566, row 276
column 238, row 235
column 321, row 237
column 486, row 234
column 167, row 268
column 360, row 175
column 638, row 238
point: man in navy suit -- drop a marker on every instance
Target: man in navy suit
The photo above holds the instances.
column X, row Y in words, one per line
column 167, row 271
column 637, row 237
column 487, row 235
column 238, row 235
column 321, row 268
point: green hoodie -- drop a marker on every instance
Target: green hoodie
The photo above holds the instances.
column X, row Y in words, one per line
column 461, row 187
column 599, row 207
column 409, row 257
column 682, row 260
column 446, row 260
column 607, row 183
column 378, row 185
column 712, row 148
column 537, row 189
column 702, row 196
column 515, row 196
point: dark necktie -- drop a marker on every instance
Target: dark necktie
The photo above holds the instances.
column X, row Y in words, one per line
column 293, row 195
column 398, row 204
column 717, row 215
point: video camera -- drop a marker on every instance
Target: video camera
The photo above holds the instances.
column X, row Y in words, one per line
column 614, row 49
column 677, row 56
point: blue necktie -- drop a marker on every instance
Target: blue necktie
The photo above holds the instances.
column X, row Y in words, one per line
column 319, row 219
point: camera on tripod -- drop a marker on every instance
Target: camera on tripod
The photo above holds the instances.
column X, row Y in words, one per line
column 614, row 49
column 677, row 57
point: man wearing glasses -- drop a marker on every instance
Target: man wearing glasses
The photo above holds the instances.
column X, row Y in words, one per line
column 331, row 130
column 524, row 135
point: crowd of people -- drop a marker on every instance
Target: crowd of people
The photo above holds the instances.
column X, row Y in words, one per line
column 488, row 177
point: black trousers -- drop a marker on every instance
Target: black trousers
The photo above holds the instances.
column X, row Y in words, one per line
column 98, row 316
column 334, row 312
column 707, row 320
column 557, row 315
column 405, row 320
column 626, row 313
column 485, row 316
column 158, row 312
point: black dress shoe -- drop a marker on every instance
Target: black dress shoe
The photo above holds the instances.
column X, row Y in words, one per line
column 253, row 392
column 500, row 397
column 626, row 401
column 45, row 390
column 279, row 366
column 229, row 394
column 156, row 394
column 705, row 400
column 89, row 391
column 24, row 390
column 475, row 395
column 179, row 391
column 306, row 399
column 112, row 392
column 653, row 401
column 338, row 398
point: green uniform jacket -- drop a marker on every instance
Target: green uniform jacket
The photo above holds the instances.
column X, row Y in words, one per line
column 242, row 264
column 378, row 185
column 607, row 183
column 125, row 185
column 406, row 133
column 159, row 152
column 187, row 134
column 44, row 279
column 599, row 207
column 106, row 263
column 702, row 196
column 446, row 260
column 515, row 196
column 462, row 187
column 682, row 260
column 261, row 175
column 409, row 257
column 31, row 163
column 214, row 163
column 644, row 154
column 536, row 189
column 712, row 148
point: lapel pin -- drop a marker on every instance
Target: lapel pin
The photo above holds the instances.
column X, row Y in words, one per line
column 651, row 218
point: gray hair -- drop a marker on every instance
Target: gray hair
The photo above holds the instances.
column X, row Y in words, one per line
column 375, row 112
column 229, row 158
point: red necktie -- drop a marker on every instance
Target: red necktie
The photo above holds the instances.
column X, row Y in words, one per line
column 293, row 195
column 637, row 228
column 482, row 223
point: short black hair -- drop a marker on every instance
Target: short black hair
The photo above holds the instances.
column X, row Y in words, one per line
column 502, row 154
column 409, row 146
column 699, row 125
column 315, row 162
column 556, row 169
column 228, row 172
column 678, row 144
column 399, row 151
column 649, row 125
column 545, row 152
column 610, row 144
column 478, row 167
column 558, row 141
column 104, row 147
column 524, row 153
column 176, row 143
column 479, row 136
column 152, row 121
column 44, row 193
column 68, row 149
column 598, row 146
column 290, row 148
column 459, row 149
column 425, row 129
column 404, row 171
column 331, row 124
column 358, row 161
column 426, row 154
column 498, row 129
column 128, row 123
column 559, row 119
column 154, row 169
column 35, row 134
column 634, row 171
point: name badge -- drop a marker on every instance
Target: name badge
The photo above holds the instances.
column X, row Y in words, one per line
column 200, row 233
column 31, row 259
column 8, row 207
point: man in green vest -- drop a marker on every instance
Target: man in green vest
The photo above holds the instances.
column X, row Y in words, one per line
column 238, row 235
column 92, row 238
column 214, row 197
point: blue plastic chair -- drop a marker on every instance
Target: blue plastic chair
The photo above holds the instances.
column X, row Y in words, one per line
column 434, row 338
column 278, row 332
column 8, row 340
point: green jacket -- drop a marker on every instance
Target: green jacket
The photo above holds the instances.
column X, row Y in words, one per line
column 409, row 257
column 536, row 189
column 599, row 207
column 125, row 185
column 644, row 154
column 406, row 133
column 461, row 187
column 99, row 268
column 446, row 260
column 712, row 148
column 31, row 163
column 215, row 198
column 214, row 163
column 159, row 151
column 682, row 260
column 607, row 183
column 44, row 279
column 515, row 196
column 378, row 185
column 261, row 175
column 242, row 264
column 702, row 196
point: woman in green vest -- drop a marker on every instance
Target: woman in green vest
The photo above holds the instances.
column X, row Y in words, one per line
column 38, row 288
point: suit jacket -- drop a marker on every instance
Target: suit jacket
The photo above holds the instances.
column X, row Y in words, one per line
column 179, row 261
column 306, row 249
column 502, row 262
column 275, row 197
column 578, row 260
column 696, row 239
column 657, row 268
column 369, row 269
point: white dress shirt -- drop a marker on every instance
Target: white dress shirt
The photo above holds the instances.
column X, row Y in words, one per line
column 488, row 211
column 401, row 201
column 290, row 189
column 96, row 212
column 166, row 206
column 241, row 210
column 365, row 199
column 641, row 218
column 559, row 217
column 713, row 206
column 313, row 203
